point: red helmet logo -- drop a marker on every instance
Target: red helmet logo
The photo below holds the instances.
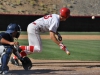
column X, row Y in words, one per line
column 65, row 12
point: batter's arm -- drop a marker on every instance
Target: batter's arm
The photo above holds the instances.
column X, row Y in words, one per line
column 53, row 37
column 62, row 46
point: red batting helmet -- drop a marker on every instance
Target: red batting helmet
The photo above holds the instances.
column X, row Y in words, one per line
column 64, row 12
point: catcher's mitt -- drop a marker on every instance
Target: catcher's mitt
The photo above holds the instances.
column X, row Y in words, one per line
column 26, row 63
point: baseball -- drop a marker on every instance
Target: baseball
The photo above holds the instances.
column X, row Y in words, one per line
column 93, row 17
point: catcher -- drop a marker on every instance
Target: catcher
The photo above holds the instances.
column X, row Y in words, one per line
column 48, row 23
column 7, row 44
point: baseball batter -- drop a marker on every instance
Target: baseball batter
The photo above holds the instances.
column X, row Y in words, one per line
column 48, row 23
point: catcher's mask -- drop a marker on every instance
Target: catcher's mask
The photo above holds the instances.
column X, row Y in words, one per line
column 14, row 27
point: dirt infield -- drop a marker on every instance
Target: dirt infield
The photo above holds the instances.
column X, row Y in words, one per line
column 69, row 37
column 60, row 67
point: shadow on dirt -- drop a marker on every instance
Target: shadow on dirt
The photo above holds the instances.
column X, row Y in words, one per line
column 30, row 72
column 93, row 66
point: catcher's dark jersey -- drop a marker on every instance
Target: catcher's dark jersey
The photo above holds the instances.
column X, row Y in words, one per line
column 6, row 36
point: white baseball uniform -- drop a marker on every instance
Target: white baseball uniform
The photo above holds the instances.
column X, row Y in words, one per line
column 43, row 24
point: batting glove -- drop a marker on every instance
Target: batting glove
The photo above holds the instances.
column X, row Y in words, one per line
column 62, row 46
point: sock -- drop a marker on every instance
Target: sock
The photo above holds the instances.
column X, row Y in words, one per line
column 22, row 53
column 28, row 48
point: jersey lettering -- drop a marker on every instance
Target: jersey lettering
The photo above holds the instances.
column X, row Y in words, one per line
column 47, row 16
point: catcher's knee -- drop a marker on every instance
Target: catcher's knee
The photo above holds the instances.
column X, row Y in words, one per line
column 5, row 56
column 6, row 53
column 1, row 49
column 4, row 59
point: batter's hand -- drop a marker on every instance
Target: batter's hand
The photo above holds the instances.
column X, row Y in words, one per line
column 62, row 46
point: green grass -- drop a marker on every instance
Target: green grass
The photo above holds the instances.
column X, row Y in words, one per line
column 80, row 50
column 24, row 32
column 69, row 33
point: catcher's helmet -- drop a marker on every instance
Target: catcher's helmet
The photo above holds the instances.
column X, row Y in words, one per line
column 14, row 27
column 64, row 12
